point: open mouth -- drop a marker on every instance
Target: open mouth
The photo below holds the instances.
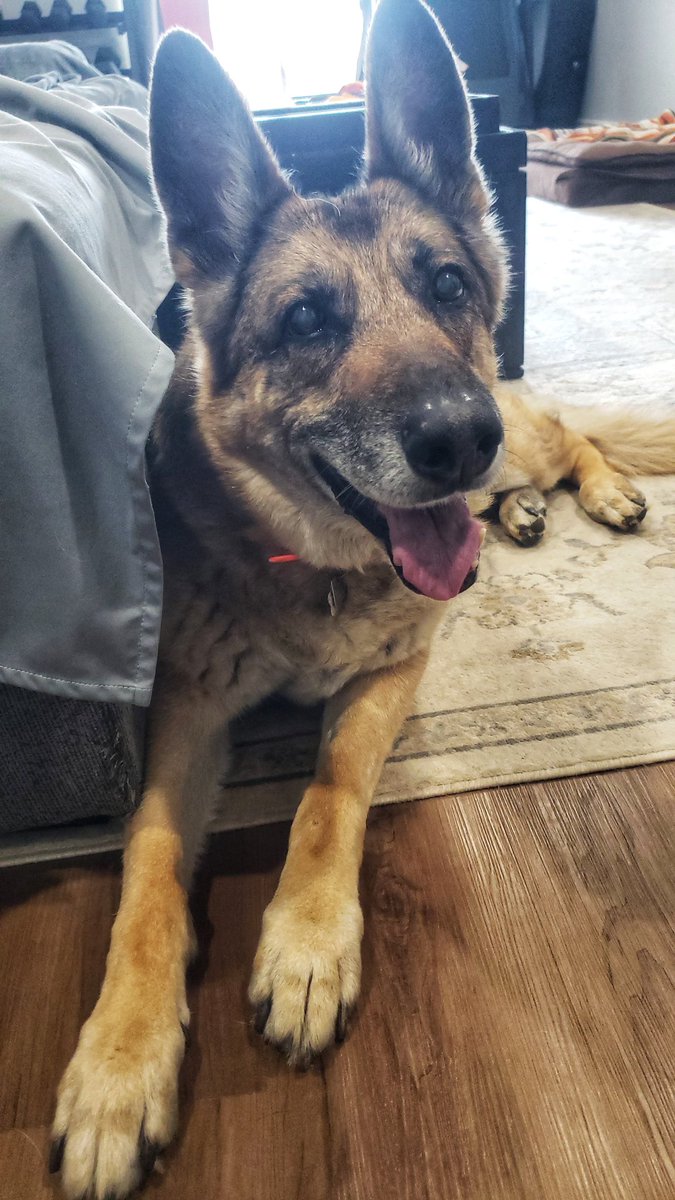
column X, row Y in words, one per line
column 433, row 549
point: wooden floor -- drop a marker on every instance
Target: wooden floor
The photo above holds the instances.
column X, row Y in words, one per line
column 516, row 1036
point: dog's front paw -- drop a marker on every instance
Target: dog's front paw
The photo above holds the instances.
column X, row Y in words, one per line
column 615, row 501
column 117, row 1102
column 306, row 974
column 522, row 512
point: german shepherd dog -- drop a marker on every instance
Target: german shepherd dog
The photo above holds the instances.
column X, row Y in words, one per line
column 333, row 401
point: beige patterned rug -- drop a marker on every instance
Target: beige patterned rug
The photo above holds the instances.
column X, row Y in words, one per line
column 561, row 659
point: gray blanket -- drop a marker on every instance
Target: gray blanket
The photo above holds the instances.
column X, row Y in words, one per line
column 82, row 272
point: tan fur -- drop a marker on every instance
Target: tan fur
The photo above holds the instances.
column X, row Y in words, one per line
column 634, row 440
column 233, row 483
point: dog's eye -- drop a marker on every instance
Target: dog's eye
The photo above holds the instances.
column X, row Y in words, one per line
column 304, row 319
column 449, row 286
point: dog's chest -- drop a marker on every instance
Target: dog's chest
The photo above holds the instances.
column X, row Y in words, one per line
column 305, row 643
column 361, row 629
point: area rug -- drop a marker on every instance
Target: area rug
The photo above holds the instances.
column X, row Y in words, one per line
column 561, row 659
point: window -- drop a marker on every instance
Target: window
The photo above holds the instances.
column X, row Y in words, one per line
column 277, row 49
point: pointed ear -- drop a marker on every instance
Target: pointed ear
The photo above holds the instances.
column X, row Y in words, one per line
column 215, row 175
column 419, row 125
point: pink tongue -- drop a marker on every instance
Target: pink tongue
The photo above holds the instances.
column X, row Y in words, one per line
column 434, row 547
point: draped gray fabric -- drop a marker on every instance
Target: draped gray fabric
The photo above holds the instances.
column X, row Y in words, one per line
column 82, row 271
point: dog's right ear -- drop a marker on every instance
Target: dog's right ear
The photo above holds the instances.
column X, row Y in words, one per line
column 215, row 175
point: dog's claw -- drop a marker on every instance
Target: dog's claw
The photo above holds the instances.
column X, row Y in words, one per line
column 147, row 1153
column 56, row 1150
column 634, row 519
column 285, row 1046
column 529, row 535
column 303, row 1061
column 261, row 1014
column 342, row 1022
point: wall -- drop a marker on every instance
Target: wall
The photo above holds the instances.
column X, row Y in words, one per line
column 632, row 68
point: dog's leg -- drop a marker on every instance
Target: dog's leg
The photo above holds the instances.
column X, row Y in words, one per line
column 307, row 968
column 540, row 452
column 522, row 512
column 607, row 495
column 117, row 1102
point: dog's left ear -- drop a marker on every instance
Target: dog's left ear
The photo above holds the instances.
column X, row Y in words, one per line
column 419, row 125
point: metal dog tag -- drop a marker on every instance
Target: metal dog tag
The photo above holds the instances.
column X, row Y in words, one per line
column 337, row 594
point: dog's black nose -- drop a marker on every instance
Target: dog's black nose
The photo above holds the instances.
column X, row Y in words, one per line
column 452, row 441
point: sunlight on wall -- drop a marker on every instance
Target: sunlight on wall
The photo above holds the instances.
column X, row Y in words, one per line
column 276, row 50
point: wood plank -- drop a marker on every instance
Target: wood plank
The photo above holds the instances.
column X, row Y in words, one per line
column 516, row 1035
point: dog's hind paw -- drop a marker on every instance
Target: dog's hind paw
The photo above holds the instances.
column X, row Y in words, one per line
column 117, row 1105
column 613, row 500
column 306, row 975
column 522, row 512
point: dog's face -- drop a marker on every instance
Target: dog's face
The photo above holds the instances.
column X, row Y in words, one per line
column 343, row 346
